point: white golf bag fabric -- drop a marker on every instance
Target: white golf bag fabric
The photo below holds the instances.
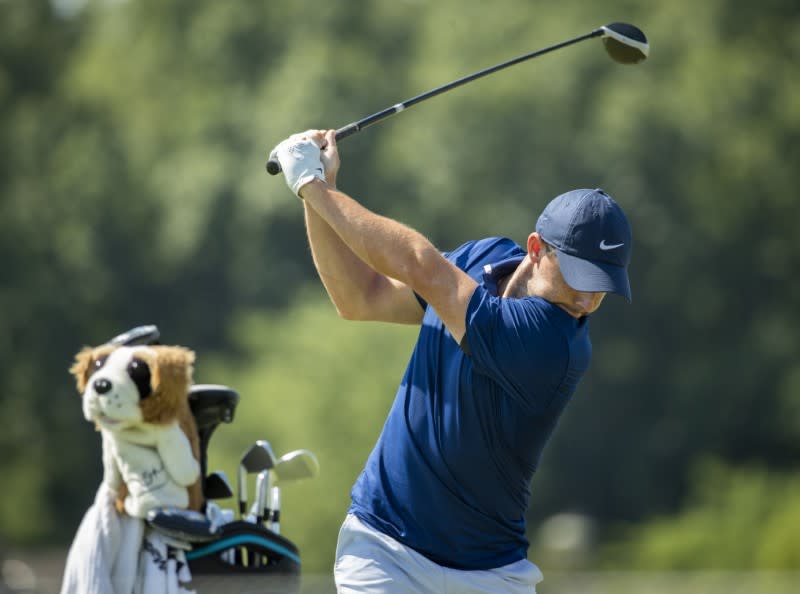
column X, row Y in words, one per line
column 115, row 554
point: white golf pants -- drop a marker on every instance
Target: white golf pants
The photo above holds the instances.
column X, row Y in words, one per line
column 369, row 562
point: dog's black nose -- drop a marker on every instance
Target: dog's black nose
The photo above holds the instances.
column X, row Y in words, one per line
column 102, row 386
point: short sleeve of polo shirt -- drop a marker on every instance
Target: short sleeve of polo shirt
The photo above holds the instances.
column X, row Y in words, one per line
column 516, row 344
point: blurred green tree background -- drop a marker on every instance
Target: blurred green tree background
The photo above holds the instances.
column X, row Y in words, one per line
column 132, row 190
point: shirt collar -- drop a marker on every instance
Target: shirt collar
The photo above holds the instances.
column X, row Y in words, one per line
column 492, row 273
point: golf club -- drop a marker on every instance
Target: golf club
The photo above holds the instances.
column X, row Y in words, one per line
column 292, row 466
column 296, row 465
column 274, row 518
column 135, row 336
column 257, row 458
column 259, row 505
column 217, row 486
column 262, row 488
column 625, row 44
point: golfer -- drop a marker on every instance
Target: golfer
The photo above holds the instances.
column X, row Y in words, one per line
column 504, row 340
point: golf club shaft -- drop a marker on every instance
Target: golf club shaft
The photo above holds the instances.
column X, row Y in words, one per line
column 273, row 166
column 274, row 512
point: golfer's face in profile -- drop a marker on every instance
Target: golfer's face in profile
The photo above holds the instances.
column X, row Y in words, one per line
column 575, row 303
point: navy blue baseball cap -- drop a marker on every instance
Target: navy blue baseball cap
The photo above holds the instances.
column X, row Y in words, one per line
column 593, row 240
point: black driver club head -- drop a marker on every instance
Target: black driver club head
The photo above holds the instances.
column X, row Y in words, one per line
column 625, row 43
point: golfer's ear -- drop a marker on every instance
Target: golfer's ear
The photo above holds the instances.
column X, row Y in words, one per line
column 535, row 246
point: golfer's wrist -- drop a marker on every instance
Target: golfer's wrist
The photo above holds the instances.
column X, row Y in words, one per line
column 315, row 186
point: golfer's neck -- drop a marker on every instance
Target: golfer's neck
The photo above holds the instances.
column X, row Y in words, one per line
column 515, row 284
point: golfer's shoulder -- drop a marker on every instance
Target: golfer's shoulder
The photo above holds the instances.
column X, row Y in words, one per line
column 532, row 321
column 556, row 343
column 539, row 326
column 541, row 315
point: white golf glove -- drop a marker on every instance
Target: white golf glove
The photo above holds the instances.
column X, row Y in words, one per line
column 300, row 161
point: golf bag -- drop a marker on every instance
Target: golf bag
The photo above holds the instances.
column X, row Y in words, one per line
column 233, row 556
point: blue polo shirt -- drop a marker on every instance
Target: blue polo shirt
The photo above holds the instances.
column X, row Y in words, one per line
column 450, row 473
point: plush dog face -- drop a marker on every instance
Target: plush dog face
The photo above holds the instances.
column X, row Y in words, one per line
column 119, row 381
column 126, row 386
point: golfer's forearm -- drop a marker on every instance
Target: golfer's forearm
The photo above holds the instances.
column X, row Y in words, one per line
column 346, row 277
column 386, row 246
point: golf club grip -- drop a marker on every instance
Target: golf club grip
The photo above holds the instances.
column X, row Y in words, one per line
column 274, row 167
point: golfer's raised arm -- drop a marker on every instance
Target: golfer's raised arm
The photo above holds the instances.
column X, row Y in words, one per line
column 396, row 251
column 357, row 291
column 384, row 245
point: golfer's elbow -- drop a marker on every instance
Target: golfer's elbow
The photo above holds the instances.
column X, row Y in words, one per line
column 348, row 312
column 374, row 300
column 351, row 306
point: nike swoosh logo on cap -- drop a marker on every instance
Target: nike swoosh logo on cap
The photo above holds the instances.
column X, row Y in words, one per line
column 605, row 246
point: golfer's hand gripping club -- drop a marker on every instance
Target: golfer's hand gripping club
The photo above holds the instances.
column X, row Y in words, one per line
column 299, row 158
column 274, row 164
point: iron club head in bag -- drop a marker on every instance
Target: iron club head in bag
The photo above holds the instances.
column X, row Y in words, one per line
column 257, row 458
column 292, row 466
column 296, row 465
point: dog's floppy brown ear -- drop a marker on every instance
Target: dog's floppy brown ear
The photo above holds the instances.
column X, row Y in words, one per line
column 171, row 373
column 81, row 368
